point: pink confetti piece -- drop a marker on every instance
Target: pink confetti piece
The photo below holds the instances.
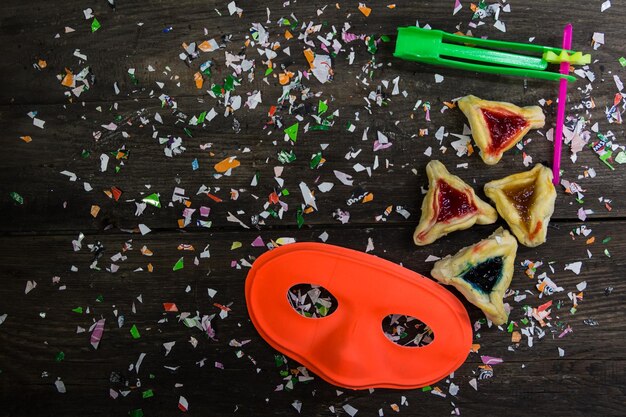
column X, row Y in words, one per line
column 490, row 360
column 258, row 242
column 96, row 334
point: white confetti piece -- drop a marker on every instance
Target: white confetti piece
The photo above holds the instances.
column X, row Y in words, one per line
column 183, row 404
column 581, row 286
column 574, row 267
column 104, row 162
column 3, row 317
column 168, row 347
column 500, row 25
column 561, row 352
column 297, row 404
column 605, row 5
column 60, row 386
column 30, row 285
column 370, row 245
column 438, row 78
column 350, row 410
column 38, row 122
column 308, row 197
column 344, row 178
column 144, row 229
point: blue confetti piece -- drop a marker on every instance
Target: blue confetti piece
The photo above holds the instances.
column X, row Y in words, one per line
column 195, row 164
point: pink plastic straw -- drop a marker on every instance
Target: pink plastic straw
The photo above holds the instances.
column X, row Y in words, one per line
column 560, row 114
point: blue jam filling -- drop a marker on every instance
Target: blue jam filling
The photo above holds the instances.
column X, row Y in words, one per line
column 485, row 275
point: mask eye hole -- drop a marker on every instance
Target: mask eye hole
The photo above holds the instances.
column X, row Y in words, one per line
column 407, row 331
column 312, row 301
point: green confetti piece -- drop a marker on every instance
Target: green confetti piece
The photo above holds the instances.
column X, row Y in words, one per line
column 510, row 327
column 299, row 218
column 279, row 360
column 427, row 388
column 524, row 321
column 78, row 310
column 285, row 157
column 99, row 298
column 268, row 71
column 217, row 90
column 321, row 310
column 292, row 132
column 284, row 191
column 95, row 25
column 188, row 132
column 607, row 253
column 573, row 310
column 180, row 264
column 320, row 127
column 85, row 153
column 134, row 332
column 202, row 117
column 229, row 83
column 153, row 199
column 59, row 357
column 117, row 169
column 315, row 160
column 606, row 240
column 622, row 61
column 385, row 38
column 16, row 197
column 136, row 413
column 147, row 393
column 322, row 107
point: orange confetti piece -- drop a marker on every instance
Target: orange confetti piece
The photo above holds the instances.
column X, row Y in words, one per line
column 205, row 46
column 197, row 77
column 288, row 35
column 26, row 139
column 214, row 198
column 283, row 78
column 591, row 240
column 229, row 163
column 150, row 268
column 42, row 63
column 94, row 211
column 310, row 57
column 68, row 80
column 516, row 337
column 181, row 223
column 187, row 203
column 308, row 210
column 185, row 246
column 364, row 9
column 475, row 348
column 470, row 149
column 391, row 6
column 170, row 307
column 146, row 252
column 368, row 197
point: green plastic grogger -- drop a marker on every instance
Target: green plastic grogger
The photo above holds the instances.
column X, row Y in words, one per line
column 465, row 52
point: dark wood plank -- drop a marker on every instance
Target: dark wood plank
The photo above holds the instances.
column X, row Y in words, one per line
column 34, row 170
column 593, row 364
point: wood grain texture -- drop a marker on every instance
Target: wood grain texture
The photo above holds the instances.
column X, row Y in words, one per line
column 36, row 237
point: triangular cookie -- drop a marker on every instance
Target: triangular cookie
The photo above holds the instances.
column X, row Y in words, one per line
column 526, row 202
column 449, row 205
column 497, row 126
column 482, row 273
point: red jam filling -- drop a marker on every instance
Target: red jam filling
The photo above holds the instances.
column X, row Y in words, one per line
column 522, row 198
column 452, row 202
column 503, row 126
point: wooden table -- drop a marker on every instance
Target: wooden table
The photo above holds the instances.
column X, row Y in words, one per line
column 116, row 117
